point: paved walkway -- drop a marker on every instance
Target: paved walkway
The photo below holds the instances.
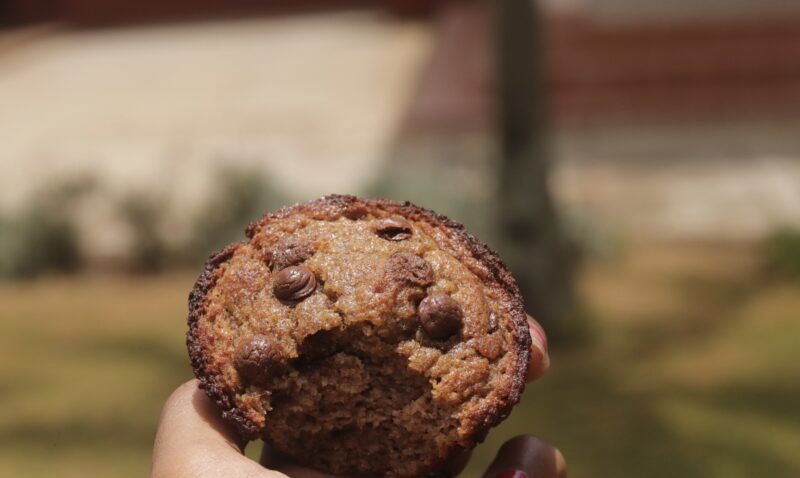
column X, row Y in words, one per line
column 312, row 99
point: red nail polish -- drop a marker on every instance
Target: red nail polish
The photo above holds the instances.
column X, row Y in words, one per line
column 539, row 335
column 512, row 473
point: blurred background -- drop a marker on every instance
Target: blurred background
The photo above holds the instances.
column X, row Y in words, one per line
column 636, row 163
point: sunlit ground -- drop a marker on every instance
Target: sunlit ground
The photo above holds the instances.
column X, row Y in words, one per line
column 689, row 369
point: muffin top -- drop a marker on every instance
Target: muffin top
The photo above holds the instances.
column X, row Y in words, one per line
column 353, row 327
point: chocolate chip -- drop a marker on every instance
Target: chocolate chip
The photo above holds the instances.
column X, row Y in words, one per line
column 409, row 268
column 294, row 283
column 290, row 253
column 257, row 356
column 440, row 316
column 393, row 229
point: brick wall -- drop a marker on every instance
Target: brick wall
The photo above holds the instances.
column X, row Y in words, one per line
column 698, row 66
column 596, row 69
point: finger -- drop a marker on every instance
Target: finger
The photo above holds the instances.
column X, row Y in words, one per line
column 540, row 358
column 527, row 457
column 193, row 441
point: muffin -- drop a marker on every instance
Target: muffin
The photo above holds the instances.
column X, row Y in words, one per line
column 360, row 336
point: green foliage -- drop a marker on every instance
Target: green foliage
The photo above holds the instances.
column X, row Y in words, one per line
column 783, row 253
column 143, row 213
column 241, row 197
column 42, row 236
column 452, row 176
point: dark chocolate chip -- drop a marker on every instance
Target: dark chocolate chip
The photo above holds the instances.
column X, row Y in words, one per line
column 409, row 268
column 393, row 229
column 294, row 283
column 257, row 356
column 290, row 253
column 440, row 316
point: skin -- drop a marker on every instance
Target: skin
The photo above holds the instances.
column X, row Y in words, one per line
column 193, row 442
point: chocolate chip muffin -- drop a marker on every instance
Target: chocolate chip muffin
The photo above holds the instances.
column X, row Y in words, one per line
column 360, row 336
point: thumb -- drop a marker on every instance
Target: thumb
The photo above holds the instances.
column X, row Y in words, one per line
column 527, row 457
column 193, row 442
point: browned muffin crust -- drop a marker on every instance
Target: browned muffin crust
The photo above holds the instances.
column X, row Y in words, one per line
column 392, row 222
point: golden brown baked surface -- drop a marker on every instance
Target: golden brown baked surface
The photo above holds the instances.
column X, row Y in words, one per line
column 360, row 336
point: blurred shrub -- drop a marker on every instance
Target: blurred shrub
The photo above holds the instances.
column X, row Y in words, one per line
column 143, row 214
column 453, row 176
column 241, row 197
column 783, row 253
column 589, row 236
column 42, row 236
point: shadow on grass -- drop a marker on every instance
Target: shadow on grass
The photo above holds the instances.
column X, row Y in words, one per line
column 602, row 430
column 605, row 430
column 609, row 425
column 80, row 434
column 777, row 401
column 134, row 348
column 135, row 415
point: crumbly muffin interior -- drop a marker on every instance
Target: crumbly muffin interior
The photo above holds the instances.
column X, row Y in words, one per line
column 359, row 410
column 353, row 382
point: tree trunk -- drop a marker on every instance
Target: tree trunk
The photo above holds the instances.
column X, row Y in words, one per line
column 531, row 238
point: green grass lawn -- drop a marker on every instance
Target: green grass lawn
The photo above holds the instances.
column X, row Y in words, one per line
column 689, row 368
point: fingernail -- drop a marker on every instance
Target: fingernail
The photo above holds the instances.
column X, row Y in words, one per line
column 512, row 473
column 537, row 334
column 539, row 364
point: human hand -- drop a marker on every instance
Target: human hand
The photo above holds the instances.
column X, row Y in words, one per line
column 194, row 442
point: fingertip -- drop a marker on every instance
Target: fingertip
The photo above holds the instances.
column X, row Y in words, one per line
column 189, row 415
column 539, row 362
column 561, row 465
column 538, row 335
column 181, row 396
column 189, row 405
column 529, row 455
column 177, row 405
column 193, row 440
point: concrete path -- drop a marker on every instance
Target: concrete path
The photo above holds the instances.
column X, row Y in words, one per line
column 313, row 100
